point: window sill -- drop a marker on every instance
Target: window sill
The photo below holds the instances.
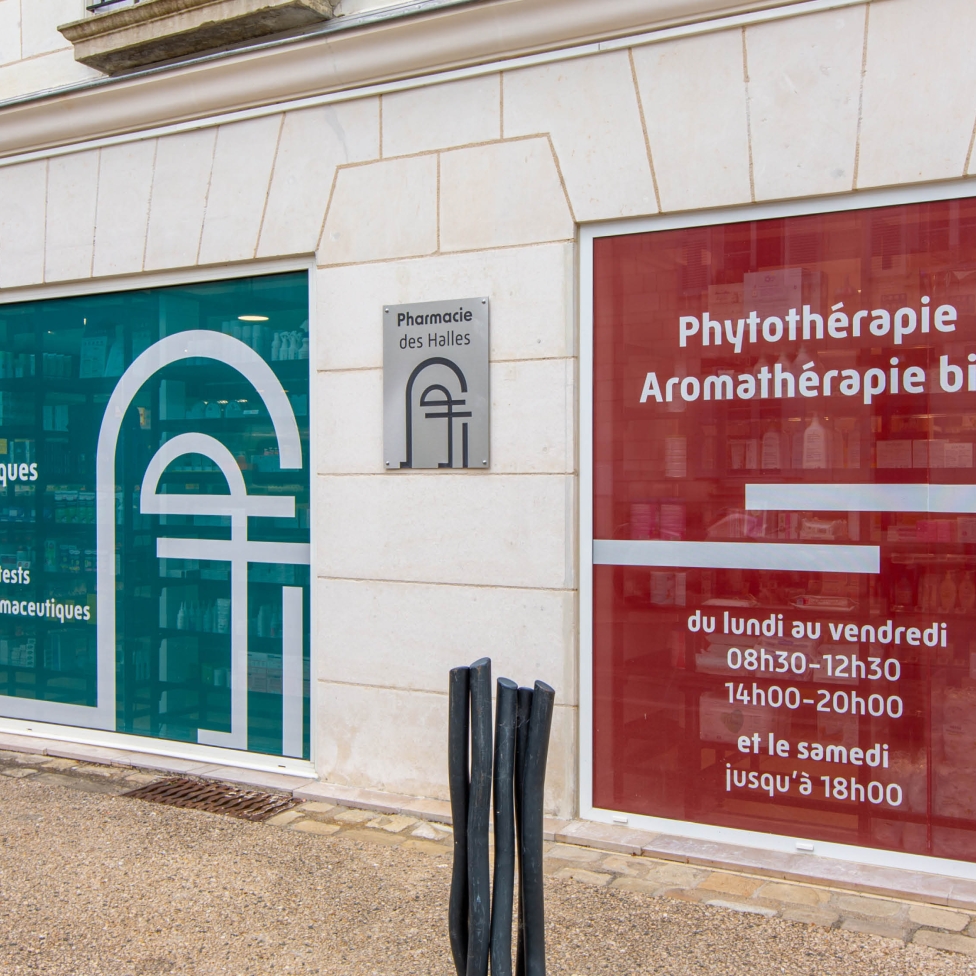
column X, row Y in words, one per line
column 160, row 30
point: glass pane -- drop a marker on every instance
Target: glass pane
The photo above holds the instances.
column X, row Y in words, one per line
column 67, row 368
column 798, row 398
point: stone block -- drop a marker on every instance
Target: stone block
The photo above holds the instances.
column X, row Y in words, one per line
column 794, row 894
column 874, row 926
column 381, row 211
column 407, row 527
column 582, row 874
column 531, row 290
column 456, row 113
column 502, row 195
column 392, row 824
column 23, row 192
column 871, row 907
column 181, row 180
column 39, row 25
column 315, row 827
column 282, row 819
column 589, row 108
column 9, row 31
column 405, row 630
column 811, row 916
column 437, row 811
column 741, row 906
column 946, row 942
column 239, row 181
column 607, row 837
column 696, row 119
column 313, row 143
column 732, row 884
column 938, row 918
column 804, row 80
column 125, row 177
column 674, row 875
column 567, row 852
column 72, row 188
column 639, row 885
column 424, row 846
column 919, row 96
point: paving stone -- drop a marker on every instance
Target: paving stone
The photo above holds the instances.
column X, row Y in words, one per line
column 355, row 816
column 392, row 824
column 942, row 940
column 811, row 916
column 57, row 763
column 566, row 852
column 141, row 779
column 317, row 806
column 279, row 820
column 672, row 873
column 795, row 894
column 18, row 772
column 732, row 884
column 634, row 867
column 581, row 874
column 25, row 759
column 373, row 837
column 635, row 884
column 427, row 831
column 105, row 772
column 860, row 905
column 873, row 926
column 739, row 906
column 938, row 918
column 426, row 846
column 314, row 827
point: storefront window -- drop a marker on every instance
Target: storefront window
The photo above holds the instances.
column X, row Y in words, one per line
column 785, row 526
column 154, row 470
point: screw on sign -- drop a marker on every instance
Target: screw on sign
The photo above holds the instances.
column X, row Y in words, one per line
column 479, row 920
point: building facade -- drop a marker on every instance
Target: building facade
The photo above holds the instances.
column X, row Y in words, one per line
column 660, row 200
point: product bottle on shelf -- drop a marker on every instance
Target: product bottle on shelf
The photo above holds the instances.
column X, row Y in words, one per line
column 947, row 593
column 815, row 446
column 967, row 593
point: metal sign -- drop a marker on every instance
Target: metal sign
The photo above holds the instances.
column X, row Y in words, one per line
column 435, row 384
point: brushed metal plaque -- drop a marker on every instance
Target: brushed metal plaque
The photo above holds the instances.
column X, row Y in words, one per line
column 436, row 399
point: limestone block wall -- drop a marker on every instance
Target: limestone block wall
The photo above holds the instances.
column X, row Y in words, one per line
column 33, row 55
column 476, row 186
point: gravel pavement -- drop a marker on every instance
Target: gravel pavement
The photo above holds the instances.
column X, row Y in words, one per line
column 93, row 884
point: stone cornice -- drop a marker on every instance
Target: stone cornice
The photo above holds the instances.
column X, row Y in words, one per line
column 341, row 56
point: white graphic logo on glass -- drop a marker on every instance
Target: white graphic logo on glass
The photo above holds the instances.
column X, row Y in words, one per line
column 238, row 550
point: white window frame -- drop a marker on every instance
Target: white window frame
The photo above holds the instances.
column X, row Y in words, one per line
column 956, row 189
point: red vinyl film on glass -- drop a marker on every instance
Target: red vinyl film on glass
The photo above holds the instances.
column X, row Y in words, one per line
column 785, row 526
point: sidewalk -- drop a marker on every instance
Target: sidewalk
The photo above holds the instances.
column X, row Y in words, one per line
column 92, row 882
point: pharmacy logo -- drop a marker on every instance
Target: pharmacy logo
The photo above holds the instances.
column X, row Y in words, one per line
column 238, row 550
column 438, row 402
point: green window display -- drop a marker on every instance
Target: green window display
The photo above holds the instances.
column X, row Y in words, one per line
column 154, row 513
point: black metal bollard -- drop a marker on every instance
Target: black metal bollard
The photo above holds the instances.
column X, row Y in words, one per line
column 457, row 770
column 479, row 809
column 533, row 788
column 479, row 920
column 506, row 702
column 524, row 711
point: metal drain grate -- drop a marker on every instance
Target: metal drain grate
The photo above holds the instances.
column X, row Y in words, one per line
column 194, row 794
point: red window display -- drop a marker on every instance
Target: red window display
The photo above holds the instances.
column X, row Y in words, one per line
column 784, row 524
